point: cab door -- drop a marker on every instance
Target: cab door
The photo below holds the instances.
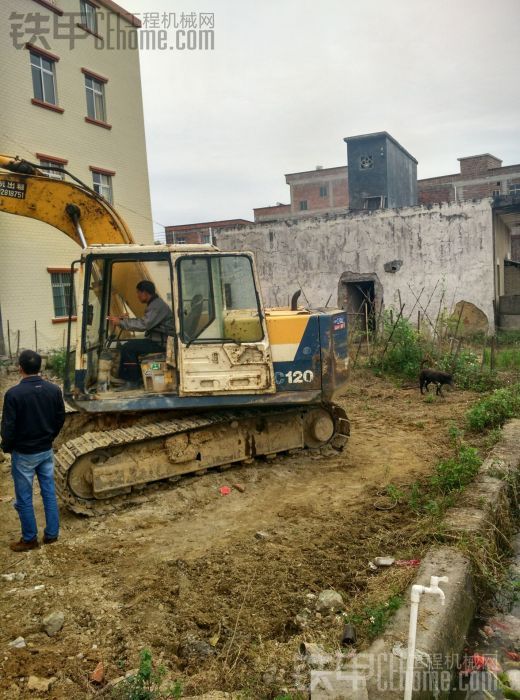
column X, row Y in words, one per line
column 223, row 342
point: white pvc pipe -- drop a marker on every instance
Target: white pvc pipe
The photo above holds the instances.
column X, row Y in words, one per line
column 417, row 591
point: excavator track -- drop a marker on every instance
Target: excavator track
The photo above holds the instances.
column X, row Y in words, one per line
column 140, row 435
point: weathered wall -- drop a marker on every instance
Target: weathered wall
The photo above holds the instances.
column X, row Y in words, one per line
column 447, row 249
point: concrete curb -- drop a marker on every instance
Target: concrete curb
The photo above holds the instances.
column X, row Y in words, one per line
column 379, row 672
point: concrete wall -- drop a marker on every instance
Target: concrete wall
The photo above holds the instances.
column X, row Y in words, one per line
column 28, row 247
column 447, row 249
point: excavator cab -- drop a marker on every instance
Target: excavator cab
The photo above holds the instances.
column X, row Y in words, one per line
column 219, row 345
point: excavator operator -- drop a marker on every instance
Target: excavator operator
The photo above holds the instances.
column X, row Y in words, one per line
column 157, row 324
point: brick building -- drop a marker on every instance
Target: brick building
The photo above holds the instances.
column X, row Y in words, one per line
column 205, row 232
column 326, row 190
column 480, row 176
column 75, row 104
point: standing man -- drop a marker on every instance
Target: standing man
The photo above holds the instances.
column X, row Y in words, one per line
column 157, row 324
column 32, row 417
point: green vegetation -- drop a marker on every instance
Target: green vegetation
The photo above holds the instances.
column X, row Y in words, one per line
column 505, row 358
column 375, row 618
column 436, row 493
column 56, row 361
column 401, row 349
column 493, row 410
column 147, row 683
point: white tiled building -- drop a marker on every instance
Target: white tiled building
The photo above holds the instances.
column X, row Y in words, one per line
column 71, row 99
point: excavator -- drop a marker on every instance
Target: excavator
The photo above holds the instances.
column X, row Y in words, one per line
column 235, row 381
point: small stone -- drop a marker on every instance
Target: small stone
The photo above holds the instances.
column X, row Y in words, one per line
column 329, row 601
column 302, row 618
column 196, row 648
column 262, row 535
column 98, row 674
column 239, row 487
column 53, row 623
column 39, row 588
column 20, row 576
column 384, row 561
column 18, row 643
column 9, row 577
column 40, row 684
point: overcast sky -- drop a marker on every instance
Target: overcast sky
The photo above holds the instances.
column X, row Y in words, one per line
column 289, row 79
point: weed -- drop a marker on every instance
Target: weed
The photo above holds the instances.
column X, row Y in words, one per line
column 394, row 493
column 455, row 473
column 375, row 618
column 507, row 358
column 494, row 410
column 430, row 398
column 403, row 349
column 147, row 682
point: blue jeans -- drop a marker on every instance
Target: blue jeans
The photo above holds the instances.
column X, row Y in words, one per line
column 23, row 469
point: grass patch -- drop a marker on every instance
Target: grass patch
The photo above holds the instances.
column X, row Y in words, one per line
column 505, row 359
column 373, row 619
column 495, row 409
column 432, row 496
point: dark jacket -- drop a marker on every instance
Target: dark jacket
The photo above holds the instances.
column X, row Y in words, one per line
column 157, row 322
column 32, row 416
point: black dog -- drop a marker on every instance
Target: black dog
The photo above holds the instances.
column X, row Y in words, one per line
column 434, row 376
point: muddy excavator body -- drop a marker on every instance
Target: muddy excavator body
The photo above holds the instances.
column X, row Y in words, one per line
column 234, row 380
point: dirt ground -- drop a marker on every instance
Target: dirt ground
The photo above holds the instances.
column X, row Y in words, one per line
column 212, row 584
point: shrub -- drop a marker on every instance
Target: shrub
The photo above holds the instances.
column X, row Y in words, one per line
column 404, row 352
column 56, row 361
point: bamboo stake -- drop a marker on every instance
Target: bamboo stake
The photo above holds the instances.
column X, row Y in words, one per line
column 9, row 340
column 392, row 333
column 17, row 343
column 35, row 336
column 493, row 350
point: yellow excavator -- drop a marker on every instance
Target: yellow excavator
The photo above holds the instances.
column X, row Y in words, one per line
column 235, row 381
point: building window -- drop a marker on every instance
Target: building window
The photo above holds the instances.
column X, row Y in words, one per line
column 88, row 16
column 366, row 162
column 303, row 205
column 206, row 237
column 496, row 193
column 103, row 185
column 180, row 240
column 324, row 191
column 60, row 282
column 44, row 80
column 56, row 173
column 95, row 99
column 514, row 188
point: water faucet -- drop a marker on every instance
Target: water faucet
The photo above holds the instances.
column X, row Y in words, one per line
column 433, row 588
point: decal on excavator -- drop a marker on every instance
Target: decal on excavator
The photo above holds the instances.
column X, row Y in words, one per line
column 9, row 188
